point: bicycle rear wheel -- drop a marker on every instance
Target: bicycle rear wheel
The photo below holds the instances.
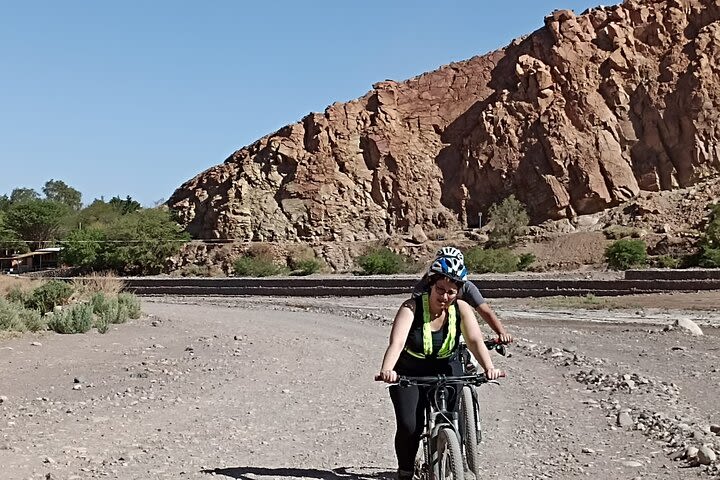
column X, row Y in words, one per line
column 469, row 425
column 449, row 456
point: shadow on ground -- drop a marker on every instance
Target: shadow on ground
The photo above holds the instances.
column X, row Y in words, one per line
column 342, row 473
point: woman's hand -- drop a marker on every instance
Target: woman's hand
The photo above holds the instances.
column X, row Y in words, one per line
column 505, row 338
column 387, row 376
column 494, row 373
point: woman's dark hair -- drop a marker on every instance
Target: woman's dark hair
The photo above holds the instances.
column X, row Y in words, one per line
column 433, row 279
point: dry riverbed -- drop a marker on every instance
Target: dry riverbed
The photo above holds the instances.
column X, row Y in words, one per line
column 265, row 388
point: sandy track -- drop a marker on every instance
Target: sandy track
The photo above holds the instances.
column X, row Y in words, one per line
column 266, row 388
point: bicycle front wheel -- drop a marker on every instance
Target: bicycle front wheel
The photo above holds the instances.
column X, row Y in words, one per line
column 469, row 425
column 449, row 456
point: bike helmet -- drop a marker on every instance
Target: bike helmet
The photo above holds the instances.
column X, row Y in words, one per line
column 450, row 252
column 450, row 267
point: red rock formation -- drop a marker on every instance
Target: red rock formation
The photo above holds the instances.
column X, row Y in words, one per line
column 577, row 117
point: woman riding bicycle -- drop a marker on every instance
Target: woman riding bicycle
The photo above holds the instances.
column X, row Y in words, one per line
column 424, row 341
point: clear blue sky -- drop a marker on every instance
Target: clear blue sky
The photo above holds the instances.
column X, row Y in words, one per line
column 135, row 97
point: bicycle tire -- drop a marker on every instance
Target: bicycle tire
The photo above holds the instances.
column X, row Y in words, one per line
column 469, row 425
column 449, row 455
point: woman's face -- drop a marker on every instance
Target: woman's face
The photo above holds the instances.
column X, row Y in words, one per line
column 443, row 292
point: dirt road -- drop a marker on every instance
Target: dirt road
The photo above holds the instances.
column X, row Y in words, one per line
column 260, row 388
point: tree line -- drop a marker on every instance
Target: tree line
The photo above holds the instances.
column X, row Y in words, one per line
column 118, row 234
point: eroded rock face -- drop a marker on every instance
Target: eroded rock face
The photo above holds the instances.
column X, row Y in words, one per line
column 581, row 115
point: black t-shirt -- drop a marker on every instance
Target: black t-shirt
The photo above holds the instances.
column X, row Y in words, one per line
column 410, row 365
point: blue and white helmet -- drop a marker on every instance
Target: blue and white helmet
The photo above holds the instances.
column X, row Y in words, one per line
column 450, row 252
column 450, row 267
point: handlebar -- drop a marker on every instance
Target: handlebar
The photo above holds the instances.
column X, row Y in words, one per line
column 474, row 379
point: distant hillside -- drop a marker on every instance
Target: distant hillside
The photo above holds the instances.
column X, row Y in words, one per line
column 582, row 115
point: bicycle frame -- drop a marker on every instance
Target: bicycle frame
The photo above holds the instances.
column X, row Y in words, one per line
column 439, row 418
column 436, row 417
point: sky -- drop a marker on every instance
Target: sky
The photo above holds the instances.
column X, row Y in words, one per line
column 135, row 97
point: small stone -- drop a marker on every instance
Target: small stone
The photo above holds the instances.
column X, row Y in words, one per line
column 587, row 450
column 632, row 463
column 715, row 429
column 77, row 386
column 624, row 419
column 36, row 344
column 3, row 399
column 688, row 325
column 706, row 455
column 691, row 453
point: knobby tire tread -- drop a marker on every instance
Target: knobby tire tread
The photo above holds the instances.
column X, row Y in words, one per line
column 448, row 444
column 468, row 423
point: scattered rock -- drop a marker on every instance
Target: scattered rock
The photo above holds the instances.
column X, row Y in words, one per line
column 36, row 344
column 624, row 420
column 689, row 326
column 706, row 455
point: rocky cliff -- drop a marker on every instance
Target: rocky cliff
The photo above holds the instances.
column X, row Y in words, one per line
column 581, row 115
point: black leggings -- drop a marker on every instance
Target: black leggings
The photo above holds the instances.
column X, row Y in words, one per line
column 410, row 404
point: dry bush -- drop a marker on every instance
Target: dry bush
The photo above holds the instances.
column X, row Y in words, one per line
column 11, row 282
column 107, row 283
column 261, row 250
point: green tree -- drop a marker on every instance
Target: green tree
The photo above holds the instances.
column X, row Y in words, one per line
column 124, row 206
column 84, row 248
column 9, row 239
column 4, row 203
column 96, row 215
column 509, row 219
column 20, row 195
column 36, row 221
column 59, row 191
column 141, row 242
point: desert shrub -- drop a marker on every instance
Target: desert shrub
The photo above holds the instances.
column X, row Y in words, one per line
column 33, row 320
column 381, row 261
column 248, row 266
column 197, row 271
column 131, row 303
column 509, row 219
column 491, row 260
column 9, row 283
column 106, row 283
column 18, row 295
column 75, row 319
column 709, row 255
column 525, row 260
column 616, row 232
column 102, row 324
column 302, row 261
column 306, row 267
column 258, row 261
column 49, row 295
column 100, row 303
column 626, row 253
column 668, row 261
column 10, row 316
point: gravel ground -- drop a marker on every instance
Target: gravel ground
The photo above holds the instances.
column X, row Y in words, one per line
column 265, row 388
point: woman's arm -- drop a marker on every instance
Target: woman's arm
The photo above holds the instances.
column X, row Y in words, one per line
column 398, row 336
column 475, row 341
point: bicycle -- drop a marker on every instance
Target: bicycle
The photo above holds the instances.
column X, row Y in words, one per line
column 442, row 436
column 469, row 407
